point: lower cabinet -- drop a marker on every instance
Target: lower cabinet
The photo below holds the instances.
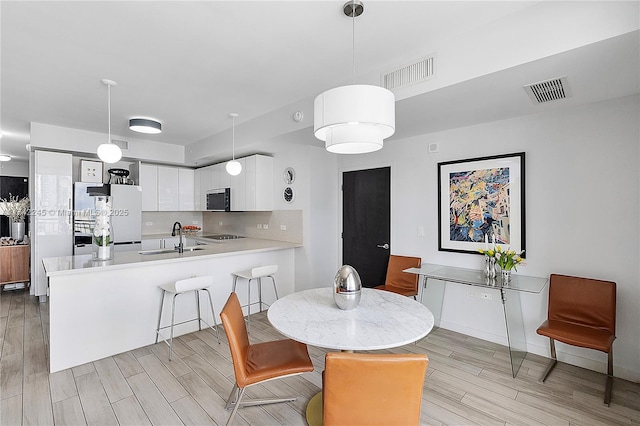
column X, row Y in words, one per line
column 14, row 264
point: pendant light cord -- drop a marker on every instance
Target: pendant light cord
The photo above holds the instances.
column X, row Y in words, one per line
column 233, row 138
column 353, row 40
column 109, row 108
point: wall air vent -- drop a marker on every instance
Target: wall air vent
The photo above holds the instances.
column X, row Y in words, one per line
column 121, row 144
column 410, row 74
column 549, row 90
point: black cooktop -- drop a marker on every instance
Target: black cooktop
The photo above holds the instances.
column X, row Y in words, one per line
column 222, row 237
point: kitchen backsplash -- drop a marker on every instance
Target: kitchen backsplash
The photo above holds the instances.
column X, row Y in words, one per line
column 162, row 222
column 281, row 225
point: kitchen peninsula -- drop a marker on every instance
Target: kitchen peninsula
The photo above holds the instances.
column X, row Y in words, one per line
column 99, row 309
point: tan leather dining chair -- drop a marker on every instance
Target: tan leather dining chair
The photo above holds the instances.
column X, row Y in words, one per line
column 253, row 364
column 582, row 312
column 372, row 389
column 401, row 282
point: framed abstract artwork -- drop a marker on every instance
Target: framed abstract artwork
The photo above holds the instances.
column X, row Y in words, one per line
column 481, row 203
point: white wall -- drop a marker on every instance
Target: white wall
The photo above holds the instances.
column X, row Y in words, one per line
column 582, row 210
column 314, row 185
column 14, row 168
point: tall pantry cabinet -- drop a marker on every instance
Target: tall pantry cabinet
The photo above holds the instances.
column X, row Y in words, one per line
column 51, row 221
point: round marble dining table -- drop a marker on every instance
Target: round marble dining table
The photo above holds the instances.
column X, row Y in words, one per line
column 382, row 320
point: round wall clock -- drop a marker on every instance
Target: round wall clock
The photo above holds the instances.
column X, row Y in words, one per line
column 288, row 194
column 289, row 175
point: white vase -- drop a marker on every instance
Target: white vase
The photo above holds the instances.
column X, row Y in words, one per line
column 103, row 253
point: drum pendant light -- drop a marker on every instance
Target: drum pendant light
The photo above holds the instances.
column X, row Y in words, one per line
column 233, row 167
column 354, row 119
column 109, row 152
column 145, row 125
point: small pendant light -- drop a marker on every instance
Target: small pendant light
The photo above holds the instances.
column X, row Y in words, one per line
column 109, row 152
column 233, row 167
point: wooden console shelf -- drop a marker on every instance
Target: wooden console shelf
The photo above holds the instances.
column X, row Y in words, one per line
column 14, row 264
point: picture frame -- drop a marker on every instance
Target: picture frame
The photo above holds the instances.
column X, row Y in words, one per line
column 480, row 199
column 91, row 171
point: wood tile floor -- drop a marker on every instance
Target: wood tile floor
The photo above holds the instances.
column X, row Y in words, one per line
column 468, row 382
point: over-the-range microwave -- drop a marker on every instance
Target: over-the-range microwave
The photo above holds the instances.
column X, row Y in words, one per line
column 219, row 200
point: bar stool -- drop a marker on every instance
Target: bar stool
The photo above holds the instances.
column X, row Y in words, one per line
column 253, row 274
column 179, row 287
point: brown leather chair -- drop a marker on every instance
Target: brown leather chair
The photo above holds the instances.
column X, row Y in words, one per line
column 401, row 282
column 259, row 362
column 582, row 312
column 372, row 389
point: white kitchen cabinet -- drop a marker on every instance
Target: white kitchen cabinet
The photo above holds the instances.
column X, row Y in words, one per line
column 186, row 189
column 258, row 171
column 251, row 190
column 224, row 177
column 197, row 191
column 167, row 189
column 238, row 188
column 51, row 225
column 146, row 176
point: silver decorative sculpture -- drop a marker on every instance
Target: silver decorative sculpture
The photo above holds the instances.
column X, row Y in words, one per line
column 347, row 288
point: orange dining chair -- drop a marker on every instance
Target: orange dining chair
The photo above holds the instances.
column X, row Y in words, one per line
column 372, row 389
column 582, row 312
column 257, row 363
column 401, row 282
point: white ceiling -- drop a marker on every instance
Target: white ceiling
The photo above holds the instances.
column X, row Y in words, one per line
column 188, row 64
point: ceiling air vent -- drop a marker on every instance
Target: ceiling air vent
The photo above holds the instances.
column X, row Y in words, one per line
column 121, row 144
column 549, row 90
column 410, row 74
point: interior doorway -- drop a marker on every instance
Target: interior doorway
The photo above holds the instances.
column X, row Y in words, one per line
column 17, row 187
column 366, row 223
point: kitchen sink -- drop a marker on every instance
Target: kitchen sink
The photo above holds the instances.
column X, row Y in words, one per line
column 166, row 251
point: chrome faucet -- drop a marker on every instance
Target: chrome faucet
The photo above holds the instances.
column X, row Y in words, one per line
column 180, row 246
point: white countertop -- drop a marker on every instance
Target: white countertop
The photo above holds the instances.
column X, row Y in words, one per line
column 382, row 320
column 55, row 266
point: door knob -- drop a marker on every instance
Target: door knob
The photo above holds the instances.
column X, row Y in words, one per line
column 384, row 246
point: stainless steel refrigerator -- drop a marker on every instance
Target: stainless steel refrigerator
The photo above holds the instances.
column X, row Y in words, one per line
column 126, row 221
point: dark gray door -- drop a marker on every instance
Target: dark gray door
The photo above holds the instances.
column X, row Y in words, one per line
column 366, row 223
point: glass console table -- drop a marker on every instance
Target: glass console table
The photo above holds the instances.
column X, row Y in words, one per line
column 510, row 295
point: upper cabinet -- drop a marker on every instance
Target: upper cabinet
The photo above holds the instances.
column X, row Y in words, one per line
column 186, row 189
column 258, row 183
column 165, row 188
column 251, row 190
column 148, row 181
column 168, row 189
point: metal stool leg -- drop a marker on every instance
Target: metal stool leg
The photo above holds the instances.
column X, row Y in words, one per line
column 197, row 292
column 260, row 293
column 249, row 307
column 173, row 315
column 275, row 289
column 160, row 316
column 213, row 314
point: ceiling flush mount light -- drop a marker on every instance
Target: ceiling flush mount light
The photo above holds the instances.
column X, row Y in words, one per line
column 354, row 119
column 145, row 125
column 4, row 157
column 109, row 152
column 233, row 167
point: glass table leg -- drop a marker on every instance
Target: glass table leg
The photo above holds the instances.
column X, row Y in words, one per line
column 434, row 298
column 515, row 328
